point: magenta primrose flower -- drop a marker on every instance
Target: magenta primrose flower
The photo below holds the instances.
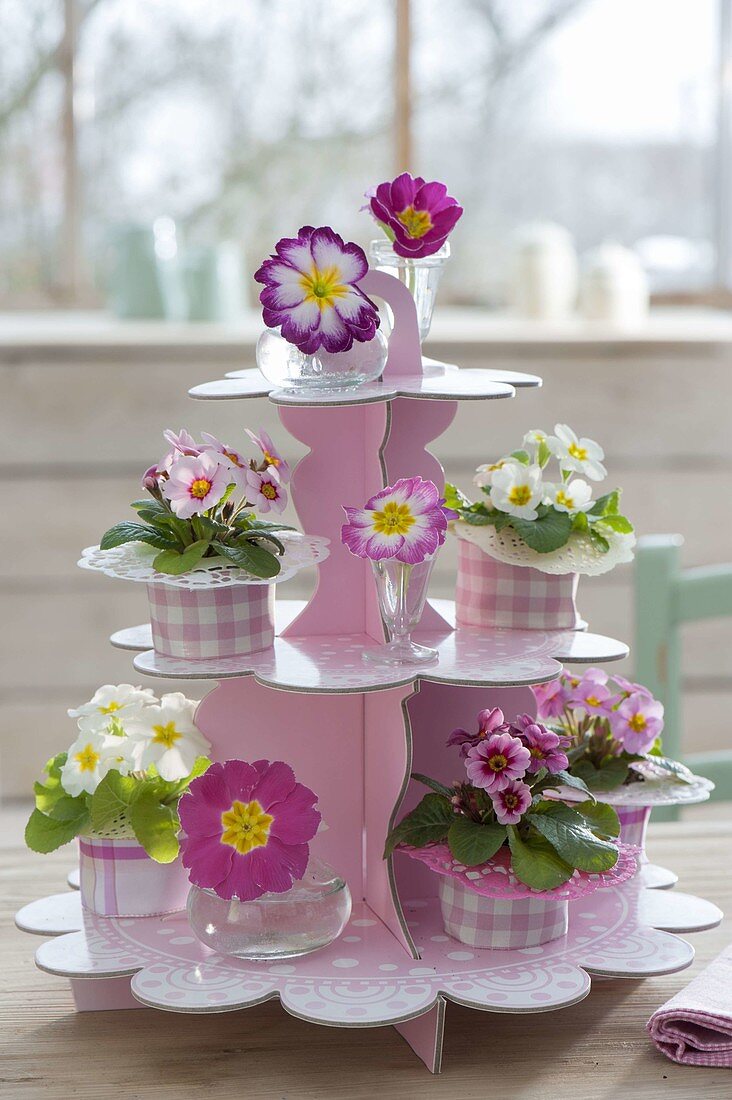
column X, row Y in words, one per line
column 551, row 698
column 406, row 521
column 195, row 484
column 512, row 802
column 270, row 453
column 637, row 722
column 489, row 721
column 246, row 827
column 420, row 216
column 545, row 749
column 496, row 761
column 311, row 291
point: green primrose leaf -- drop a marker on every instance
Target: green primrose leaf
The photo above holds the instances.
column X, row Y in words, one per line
column 616, row 523
column 46, row 834
column 439, row 788
column 601, row 818
column 472, row 843
column 606, row 778
column 607, row 505
column 428, row 822
column 250, row 536
column 247, row 555
column 122, row 533
column 546, row 533
column 112, row 799
column 569, row 779
column 155, row 826
column 536, row 863
column 569, row 834
column 543, row 453
column 599, row 541
column 175, row 563
column 521, row 456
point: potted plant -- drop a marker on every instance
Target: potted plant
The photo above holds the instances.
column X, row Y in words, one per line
column 508, row 852
column 117, row 789
column 523, row 546
column 416, row 217
column 612, row 731
column 209, row 561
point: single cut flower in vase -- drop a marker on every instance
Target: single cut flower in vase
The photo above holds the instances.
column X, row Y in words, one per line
column 399, row 530
column 328, row 327
column 417, row 218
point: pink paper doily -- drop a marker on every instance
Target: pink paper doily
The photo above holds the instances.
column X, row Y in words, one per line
column 495, row 879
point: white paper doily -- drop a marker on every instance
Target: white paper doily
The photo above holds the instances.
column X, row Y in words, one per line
column 656, row 789
column 133, row 562
column 579, row 555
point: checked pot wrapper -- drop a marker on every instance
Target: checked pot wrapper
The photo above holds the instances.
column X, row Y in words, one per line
column 204, row 623
column 118, row 878
column 494, row 593
column 500, row 923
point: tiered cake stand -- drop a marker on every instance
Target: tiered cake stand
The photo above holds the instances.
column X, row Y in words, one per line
column 354, row 733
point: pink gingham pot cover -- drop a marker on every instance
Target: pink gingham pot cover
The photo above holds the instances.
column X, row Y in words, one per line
column 492, row 593
column 201, row 623
column 118, row 879
column 500, row 923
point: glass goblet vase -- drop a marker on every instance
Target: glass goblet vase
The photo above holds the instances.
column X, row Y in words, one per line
column 402, row 592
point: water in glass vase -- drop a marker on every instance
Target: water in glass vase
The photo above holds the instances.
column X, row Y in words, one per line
column 286, row 366
column 305, row 918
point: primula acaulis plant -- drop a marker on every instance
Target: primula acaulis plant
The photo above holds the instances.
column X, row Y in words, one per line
column 508, row 797
column 133, row 757
column 545, row 511
column 609, row 724
column 203, row 503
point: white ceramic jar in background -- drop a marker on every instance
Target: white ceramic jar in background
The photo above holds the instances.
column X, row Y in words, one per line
column 614, row 286
column 543, row 273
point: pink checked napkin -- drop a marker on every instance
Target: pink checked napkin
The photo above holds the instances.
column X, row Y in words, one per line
column 695, row 1026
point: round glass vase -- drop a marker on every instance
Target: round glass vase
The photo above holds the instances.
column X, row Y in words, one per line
column 421, row 275
column 290, row 369
column 402, row 592
column 308, row 916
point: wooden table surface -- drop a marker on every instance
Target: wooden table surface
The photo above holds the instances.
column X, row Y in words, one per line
column 596, row 1049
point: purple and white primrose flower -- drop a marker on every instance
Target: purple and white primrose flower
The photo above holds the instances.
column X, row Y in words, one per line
column 266, row 491
column 406, row 521
column 195, row 484
column 311, row 291
column 418, row 216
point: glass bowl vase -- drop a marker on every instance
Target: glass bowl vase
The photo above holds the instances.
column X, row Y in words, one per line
column 293, row 370
column 304, row 918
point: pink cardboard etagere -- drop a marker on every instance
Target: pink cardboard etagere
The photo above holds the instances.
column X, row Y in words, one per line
column 354, row 733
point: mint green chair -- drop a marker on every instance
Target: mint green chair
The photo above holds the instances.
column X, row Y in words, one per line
column 666, row 597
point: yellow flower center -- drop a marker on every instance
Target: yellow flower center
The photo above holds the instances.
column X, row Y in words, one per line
column 200, row 488
column 637, row 723
column 87, row 759
column 393, row 519
column 271, row 460
column 246, row 826
column 562, row 498
column 110, row 708
column 592, row 700
column 166, row 735
column 234, row 458
column 577, row 452
column 498, row 762
column 416, row 222
column 510, row 800
column 269, row 490
column 520, row 495
column 323, row 287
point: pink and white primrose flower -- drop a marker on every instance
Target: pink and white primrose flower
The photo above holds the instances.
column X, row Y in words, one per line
column 511, row 802
column 627, row 687
column 270, row 453
column 246, row 828
column 195, row 484
column 265, row 491
column 545, row 748
column 637, row 722
column 496, row 761
column 406, row 521
column 551, row 698
column 227, row 456
column 592, row 696
column 182, row 443
column 419, row 216
column 311, row 291
column 489, row 721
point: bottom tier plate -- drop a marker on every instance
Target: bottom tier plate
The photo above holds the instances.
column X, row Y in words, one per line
column 365, row 979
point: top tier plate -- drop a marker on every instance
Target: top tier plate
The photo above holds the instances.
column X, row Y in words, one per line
column 441, row 382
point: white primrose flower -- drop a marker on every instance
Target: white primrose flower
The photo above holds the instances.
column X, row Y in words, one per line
column 89, row 759
column 121, row 701
column 166, row 736
column 572, row 496
column 534, row 438
column 518, row 490
column 581, row 455
column 484, row 474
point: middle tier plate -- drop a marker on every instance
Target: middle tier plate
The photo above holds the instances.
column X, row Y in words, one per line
column 334, row 663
